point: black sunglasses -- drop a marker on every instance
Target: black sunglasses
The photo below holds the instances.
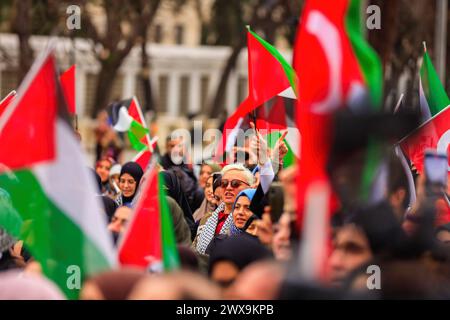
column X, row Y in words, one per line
column 235, row 183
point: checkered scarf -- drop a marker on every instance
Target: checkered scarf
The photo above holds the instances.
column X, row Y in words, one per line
column 209, row 230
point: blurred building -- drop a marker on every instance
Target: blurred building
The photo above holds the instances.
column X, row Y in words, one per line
column 183, row 77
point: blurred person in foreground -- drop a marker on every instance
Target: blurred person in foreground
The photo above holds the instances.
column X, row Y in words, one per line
column 230, row 256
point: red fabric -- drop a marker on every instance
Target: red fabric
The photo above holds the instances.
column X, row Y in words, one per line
column 327, row 69
column 267, row 77
column 6, row 101
column 143, row 159
column 68, row 86
column 28, row 136
column 141, row 243
column 442, row 212
column 434, row 134
column 275, row 118
column 221, row 220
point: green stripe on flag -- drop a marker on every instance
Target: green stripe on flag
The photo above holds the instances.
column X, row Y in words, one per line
column 434, row 91
column 272, row 138
column 135, row 135
column 368, row 59
column 53, row 239
column 290, row 72
column 170, row 257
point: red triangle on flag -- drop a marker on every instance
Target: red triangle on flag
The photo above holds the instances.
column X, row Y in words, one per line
column 135, row 111
column 68, row 86
column 142, row 242
column 267, row 77
column 27, row 126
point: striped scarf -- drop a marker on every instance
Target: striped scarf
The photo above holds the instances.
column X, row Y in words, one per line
column 209, row 230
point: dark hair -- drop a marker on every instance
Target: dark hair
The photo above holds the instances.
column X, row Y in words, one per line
column 398, row 179
column 217, row 180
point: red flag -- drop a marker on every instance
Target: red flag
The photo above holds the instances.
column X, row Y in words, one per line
column 31, row 117
column 268, row 75
column 7, row 100
column 433, row 134
column 68, row 86
column 329, row 78
column 149, row 238
column 143, row 157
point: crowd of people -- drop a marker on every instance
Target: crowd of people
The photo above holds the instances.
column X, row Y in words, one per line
column 238, row 236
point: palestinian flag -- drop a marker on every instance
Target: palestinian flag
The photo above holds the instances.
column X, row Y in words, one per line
column 433, row 98
column 127, row 117
column 275, row 116
column 42, row 168
column 149, row 241
column 68, row 87
column 433, row 134
column 336, row 68
column 269, row 75
column 7, row 100
column 143, row 158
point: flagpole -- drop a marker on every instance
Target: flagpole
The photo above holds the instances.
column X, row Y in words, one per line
column 399, row 103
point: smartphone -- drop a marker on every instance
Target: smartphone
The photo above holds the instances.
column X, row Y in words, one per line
column 436, row 168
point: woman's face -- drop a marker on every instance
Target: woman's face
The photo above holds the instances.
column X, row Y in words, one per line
column 242, row 212
column 209, row 194
column 281, row 243
column 205, row 173
column 218, row 195
column 127, row 185
column 102, row 169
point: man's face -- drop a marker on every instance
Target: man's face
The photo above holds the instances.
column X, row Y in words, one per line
column 233, row 182
column 351, row 250
column 119, row 220
column 175, row 147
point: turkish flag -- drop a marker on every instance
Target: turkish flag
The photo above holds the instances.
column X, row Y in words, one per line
column 433, row 134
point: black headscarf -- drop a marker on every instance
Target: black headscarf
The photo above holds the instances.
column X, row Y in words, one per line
column 134, row 170
column 175, row 191
column 110, row 206
column 241, row 250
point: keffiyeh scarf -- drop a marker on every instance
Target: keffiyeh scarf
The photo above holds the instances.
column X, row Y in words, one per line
column 209, row 230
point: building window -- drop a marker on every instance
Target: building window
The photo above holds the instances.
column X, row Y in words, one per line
column 91, row 87
column 179, row 34
column 242, row 88
column 163, row 82
column 158, row 34
column 184, row 95
column 204, row 86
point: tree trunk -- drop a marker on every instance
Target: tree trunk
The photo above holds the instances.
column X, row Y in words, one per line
column 145, row 79
column 22, row 27
column 104, row 86
column 217, row 104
